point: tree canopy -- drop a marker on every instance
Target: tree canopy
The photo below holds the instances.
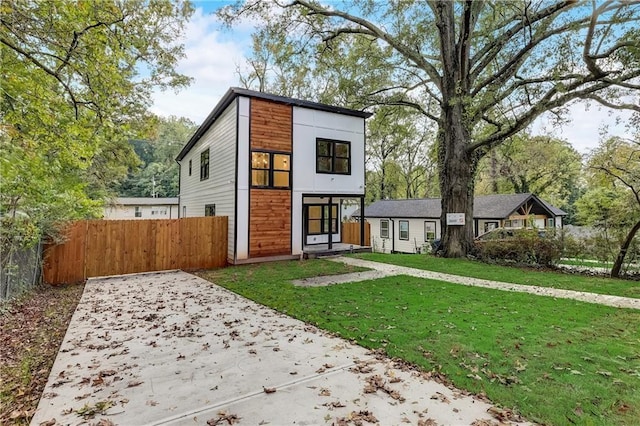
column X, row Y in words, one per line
column 77, row 80
column 482, row 71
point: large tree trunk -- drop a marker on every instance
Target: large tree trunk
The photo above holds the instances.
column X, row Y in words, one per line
column 617, row 266
column 457, row 164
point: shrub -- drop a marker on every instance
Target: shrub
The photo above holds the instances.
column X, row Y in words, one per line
column 524, row 246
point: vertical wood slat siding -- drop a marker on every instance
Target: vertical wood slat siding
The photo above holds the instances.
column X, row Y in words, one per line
column 270, row 222
column 351, row 233
column 112, row 247
column 271, row 126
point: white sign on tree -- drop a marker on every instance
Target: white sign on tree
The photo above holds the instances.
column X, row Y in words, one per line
column 455, row 218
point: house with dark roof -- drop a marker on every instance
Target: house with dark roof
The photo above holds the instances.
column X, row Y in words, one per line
column 409, row 226
column 279, row 168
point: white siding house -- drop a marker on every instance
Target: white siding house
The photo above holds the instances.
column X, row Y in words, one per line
column 141, row 208
column 279, row 168
column 409, row 226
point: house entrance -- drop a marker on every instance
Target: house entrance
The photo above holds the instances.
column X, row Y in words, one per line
column 319, row 221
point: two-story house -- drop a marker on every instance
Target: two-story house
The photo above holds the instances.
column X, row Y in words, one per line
column 279, row 168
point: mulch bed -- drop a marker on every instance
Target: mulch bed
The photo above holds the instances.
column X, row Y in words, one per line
column 31, row 331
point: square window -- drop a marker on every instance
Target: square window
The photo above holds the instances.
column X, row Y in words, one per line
column 333, row 156
column 210, row 210
column 270, row 170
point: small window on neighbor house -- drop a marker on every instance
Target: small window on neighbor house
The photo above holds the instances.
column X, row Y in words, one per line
column 138, row 211
column 333, row 156
column 551, row 223
column 184, row 211
column 270, row 170
column 204, row 164
column 404, row 229
column 190, row 164
column 429, row 230
column 210, row 210
column 384, row 228
column 488, row 226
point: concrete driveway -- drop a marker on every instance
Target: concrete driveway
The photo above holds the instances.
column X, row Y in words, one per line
column 173, row 349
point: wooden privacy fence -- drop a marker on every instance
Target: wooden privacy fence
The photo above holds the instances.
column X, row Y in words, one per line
column 351, row 233
column 112, row 247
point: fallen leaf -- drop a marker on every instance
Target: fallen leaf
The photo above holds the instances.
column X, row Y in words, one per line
column 48, row 423
column 134, row 383
column 269, row 390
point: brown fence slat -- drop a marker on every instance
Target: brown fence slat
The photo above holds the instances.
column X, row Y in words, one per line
column 112, row 247
column 351, row 233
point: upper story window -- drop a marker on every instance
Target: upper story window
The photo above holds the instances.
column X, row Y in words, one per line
column 190, row 162
column 333, row 156
column 270, row 170
column 204, row 164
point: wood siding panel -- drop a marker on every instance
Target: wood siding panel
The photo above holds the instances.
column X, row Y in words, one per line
column 114, row 247
column 270, row 223
column 271, row 126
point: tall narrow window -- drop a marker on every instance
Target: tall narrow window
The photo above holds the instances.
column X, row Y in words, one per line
column 190, row 163
column 270, row 170
column 429, row 230
column 204, row 164
column 318, row 219
column 384, row 228
column 138, row 211
column 333, row 156
column 404, row 229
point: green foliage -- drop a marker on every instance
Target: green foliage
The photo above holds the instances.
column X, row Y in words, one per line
column 549, row 359
column 158, row 173
column 524, row 247
column 77, row 80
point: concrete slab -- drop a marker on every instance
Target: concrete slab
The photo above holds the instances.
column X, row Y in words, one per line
column 173, row 349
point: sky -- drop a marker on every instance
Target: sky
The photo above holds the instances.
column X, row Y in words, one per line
column 213, row 55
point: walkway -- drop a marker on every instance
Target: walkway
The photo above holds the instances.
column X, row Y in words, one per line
column 173, row 349
column 380, row 270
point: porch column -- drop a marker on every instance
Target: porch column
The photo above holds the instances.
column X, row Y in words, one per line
column 362, row 221
column 330, row 223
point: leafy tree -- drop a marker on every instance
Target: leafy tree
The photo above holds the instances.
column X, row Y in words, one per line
column 548, row 167
column 615, row 201
column 158, row 174
column 483, row 71
column 76, row 83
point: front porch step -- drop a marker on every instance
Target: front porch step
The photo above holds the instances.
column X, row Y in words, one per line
column 333, row 252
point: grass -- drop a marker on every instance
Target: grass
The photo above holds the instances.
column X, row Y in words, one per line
column 555, row 361
column 594, row 264
column 476, row 269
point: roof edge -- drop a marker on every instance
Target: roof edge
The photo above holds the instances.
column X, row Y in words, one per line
column 234, row 92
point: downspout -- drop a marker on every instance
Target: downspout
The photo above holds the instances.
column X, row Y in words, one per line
column 179, row 184
column 393, row 235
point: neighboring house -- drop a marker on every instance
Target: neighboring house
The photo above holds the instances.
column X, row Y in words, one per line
column 410, row 225
column 279, row 168
column 142, row 208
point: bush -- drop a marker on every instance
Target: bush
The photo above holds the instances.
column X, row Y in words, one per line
column 524, row 246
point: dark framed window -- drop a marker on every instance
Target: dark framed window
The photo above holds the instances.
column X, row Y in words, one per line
column 551, row 223
column 488, row 226
column 270, row 170
column 318, row 219
column 190, row 163
column 333, row 156
column 403, row 226
column 204, row 164
column 429, row 230
column 138, row 211
column 209, row 209
column 384, row 228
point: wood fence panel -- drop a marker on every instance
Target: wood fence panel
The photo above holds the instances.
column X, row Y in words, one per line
column 113, row 247
column 351, row 233
column 64, row 263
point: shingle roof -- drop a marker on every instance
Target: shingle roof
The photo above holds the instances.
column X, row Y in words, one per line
column 485, row 207
column 234, row 92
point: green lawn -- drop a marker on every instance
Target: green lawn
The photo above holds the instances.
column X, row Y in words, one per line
column 555, row 361
column 476, row 269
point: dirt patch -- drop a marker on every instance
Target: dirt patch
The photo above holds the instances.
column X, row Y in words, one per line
column 31, row 331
